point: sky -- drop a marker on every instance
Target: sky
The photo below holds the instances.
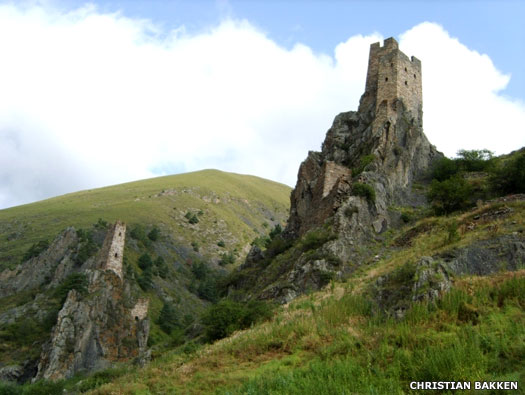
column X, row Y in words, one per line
column 100, row 93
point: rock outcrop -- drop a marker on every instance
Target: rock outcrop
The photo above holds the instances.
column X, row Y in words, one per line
column 344, row 195
column 52, row 265
column 370, row 158
column 102, row 325
column 430, row 277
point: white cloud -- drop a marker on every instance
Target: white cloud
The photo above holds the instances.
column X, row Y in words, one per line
column 463, row 103
column 91, row 99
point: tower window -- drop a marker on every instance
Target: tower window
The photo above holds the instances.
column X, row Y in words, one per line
column 391, row 64
column 116, row 255
column 386, row 79
column 406, row 83
column 406, row 69
column 415, row 76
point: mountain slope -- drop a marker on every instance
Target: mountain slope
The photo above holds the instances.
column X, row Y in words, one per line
column 243, row 202
column 72, row 283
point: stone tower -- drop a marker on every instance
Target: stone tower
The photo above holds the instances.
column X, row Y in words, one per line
column 113, row 249
column 392, row 76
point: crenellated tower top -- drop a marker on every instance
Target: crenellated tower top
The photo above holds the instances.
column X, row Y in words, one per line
column 392, row 75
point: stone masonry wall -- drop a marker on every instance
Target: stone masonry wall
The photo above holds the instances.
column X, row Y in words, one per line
column 140, row 310
column 392, row 75
column 332, row 173
column 113, row 249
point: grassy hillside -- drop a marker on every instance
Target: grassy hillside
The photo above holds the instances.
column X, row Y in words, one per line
column 204, row 223
column 336, row 341
column 232, row 207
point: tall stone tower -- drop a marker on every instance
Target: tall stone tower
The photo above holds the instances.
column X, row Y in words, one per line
column 392, row 76
column 112, row 250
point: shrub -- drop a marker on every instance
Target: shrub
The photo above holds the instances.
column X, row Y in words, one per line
column 195, row 245
column 162, row 268
column 227, row 316
column 452, row 232
column 315, row 238
column 154, row 234
column 101, row 224
column 35, row 250
column 199, row 270
column 364, row 190
column 221, row 244
column 227, row 259
column 145, row 262
column 168, row 319
column 139, row 233
column 444, row 168
column 509, row 177
column 145, row 280
column 475, row 160
column 449, row 195
column 76, row 281
column 364, row 161
column 87, row 249
column 193, row 219
column 207, row 289
column 277, row 230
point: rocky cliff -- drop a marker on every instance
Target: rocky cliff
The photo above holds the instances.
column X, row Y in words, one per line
column 101, row 323
column 345, row 196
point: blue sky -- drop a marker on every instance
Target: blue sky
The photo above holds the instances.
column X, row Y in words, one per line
column 100, row 93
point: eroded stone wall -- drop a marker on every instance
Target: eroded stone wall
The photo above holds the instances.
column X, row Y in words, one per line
column 392, row 75
column 112, row 250
column 140, row 310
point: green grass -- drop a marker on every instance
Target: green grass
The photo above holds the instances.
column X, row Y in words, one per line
column 336, row 340
column 234, row 205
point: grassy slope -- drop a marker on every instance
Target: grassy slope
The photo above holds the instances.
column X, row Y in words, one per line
column 243, row 202
column 330, row 341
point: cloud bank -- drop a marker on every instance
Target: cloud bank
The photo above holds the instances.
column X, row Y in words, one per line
column 91, row 99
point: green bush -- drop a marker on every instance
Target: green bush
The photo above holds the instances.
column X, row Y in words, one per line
column 35, row 250
column 475, row 160
column 195, row 245
column 364, row 161
column 169, row 318
column 277, row 230
column 154, row 234
column 145, row 261
column 87, row 249
column 76, row 281
column 191, row 217
column 509, row 176
column 199, row 270
column 101, row 224
column 227, row 316
column 364, row 190
column 449, row 195
column 315, row 238
column 145, row 280
column 221, row 244
column 139, row 233
column 208, row 289
column 444, row 169
column 162, row 268
column 227, row 259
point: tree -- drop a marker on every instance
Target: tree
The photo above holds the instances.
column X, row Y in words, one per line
column 168, row 318
column 154, row 234
column 449, row 195
column 145, row 261
column 474, row 160
column 510, row 176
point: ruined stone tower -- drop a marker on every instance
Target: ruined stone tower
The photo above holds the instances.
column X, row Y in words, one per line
column 113, row 249
column 392, row 76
